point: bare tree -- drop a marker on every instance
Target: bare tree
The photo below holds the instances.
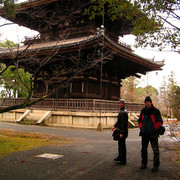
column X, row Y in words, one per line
column 55, row 68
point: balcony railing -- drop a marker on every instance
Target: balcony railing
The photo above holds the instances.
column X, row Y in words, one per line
column 74, row 104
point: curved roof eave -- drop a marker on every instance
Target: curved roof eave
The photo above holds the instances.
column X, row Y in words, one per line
column 134, row 57
column 72, row 44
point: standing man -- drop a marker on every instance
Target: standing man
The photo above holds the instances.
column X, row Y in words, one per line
column 122, row 126
column 149, row 121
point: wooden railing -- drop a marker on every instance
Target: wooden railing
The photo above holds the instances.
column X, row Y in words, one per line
column 74, row 104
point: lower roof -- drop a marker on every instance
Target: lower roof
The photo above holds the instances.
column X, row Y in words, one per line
column 118, row 50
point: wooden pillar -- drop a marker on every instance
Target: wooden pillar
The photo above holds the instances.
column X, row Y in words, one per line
column 120, row 88
column 86, row 85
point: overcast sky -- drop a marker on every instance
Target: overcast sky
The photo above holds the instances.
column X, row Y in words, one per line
column 172, row 63
column 172, row 59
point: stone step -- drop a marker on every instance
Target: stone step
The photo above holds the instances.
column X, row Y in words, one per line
column 28, row 122
column 135, row 122
column 35, row 116
column 45, row 116
column 24, row 115
column 38, row 111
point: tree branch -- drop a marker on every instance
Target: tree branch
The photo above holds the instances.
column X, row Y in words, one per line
column 6, row 24
column 169, row 22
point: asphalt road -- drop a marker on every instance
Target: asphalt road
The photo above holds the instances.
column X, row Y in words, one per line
column 89, row 158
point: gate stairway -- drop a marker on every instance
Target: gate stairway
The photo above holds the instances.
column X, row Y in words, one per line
column 133, row 119
column 34, row 117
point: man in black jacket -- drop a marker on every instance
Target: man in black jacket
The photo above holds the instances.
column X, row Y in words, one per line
column 149, row 121
column 122, row 126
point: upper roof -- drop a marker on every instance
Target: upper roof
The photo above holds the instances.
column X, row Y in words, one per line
column 52, row 15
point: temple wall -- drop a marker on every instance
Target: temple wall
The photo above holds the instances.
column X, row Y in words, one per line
column 81, row 119
column 11, row 116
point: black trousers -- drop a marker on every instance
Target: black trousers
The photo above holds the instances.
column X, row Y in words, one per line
column 153, row 139
column 122, row 149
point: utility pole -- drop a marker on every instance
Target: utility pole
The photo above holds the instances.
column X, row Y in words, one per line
column 147, row 84
column 132, row 90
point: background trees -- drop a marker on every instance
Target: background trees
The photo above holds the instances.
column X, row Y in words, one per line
column 132, row 92
column 9, row 6
column 9, row 79
column 129, row 86
column 11, row 83
column 8, row 44
column 167, row 99
column 175, row 105
column 154, row 23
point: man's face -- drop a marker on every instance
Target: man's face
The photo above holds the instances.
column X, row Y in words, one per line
column 148, row 104
column 121, row 105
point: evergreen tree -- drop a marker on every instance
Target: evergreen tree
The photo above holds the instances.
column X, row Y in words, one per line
column 13, row 79
column 9, row 7
column 8, row 44
column 10, row 79
column 175, row 102
column 172, row 90
column 170, row 97
column 163, row 100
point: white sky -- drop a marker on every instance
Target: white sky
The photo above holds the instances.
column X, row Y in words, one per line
column 155, row 78
column 172, row 59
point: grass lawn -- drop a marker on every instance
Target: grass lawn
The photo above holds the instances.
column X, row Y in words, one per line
column 11, row 141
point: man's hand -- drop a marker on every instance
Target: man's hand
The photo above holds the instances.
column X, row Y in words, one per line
column 113, row 128
column 121, row 135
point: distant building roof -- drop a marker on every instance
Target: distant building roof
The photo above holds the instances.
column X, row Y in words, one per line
column 3, row 49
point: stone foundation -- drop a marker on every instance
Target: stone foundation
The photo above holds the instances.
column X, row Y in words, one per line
column 64, row 118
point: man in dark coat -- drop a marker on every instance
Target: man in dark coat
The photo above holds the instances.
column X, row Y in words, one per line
column 122, row 126
column 149, row 121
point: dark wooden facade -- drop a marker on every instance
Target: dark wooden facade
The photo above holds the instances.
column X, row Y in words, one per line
column 66, row 33
column 86, row 84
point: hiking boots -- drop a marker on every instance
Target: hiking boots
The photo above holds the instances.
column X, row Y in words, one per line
column 143, row 167
column 121, row 163
column 155, row 169
column 117, row 159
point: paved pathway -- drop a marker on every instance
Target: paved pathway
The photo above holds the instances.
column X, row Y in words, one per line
column 90, row 158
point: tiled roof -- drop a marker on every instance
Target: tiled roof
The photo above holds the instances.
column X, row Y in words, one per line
column 83, row 41
column 3, row 49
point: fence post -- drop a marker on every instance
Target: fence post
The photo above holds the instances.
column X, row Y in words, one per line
column 94, row 104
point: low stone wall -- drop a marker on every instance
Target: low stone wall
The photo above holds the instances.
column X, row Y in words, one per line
column 67, row 118
column 12, row 116
column 81, row 119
